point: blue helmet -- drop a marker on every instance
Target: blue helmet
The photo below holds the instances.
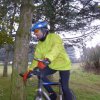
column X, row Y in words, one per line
column 39, row 25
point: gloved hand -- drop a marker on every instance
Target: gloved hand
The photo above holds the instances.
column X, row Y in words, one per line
column 44, row 63
column 26, row 75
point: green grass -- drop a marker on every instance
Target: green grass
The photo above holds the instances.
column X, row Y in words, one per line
column 86, row 86
column 4, row 88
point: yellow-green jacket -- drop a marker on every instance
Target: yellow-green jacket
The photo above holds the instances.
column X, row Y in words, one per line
column 53, row 49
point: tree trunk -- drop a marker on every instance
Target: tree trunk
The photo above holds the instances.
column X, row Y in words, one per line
column 5, row 74
column 20, row 62
column 52, row 24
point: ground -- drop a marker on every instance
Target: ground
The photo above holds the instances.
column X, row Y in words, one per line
column 86, row 86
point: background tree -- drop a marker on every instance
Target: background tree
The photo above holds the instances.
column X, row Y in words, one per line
column 67, row 14
column 7, row 17
column 5, row 40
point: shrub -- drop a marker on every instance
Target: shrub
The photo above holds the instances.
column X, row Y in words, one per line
column 91, row 59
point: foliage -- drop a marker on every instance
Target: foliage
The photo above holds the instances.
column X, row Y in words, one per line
column 9, row 15
column 67, row 14
column 5, row 38
column 92, row 59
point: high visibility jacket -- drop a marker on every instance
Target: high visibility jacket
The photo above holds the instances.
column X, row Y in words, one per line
column 53, row 49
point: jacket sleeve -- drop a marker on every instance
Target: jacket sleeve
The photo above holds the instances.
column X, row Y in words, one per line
column 55, row 49
column 36, row 55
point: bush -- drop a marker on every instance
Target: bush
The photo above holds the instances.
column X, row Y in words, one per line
column 91, row 59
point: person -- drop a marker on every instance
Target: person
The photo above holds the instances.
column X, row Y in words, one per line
column 50, row 49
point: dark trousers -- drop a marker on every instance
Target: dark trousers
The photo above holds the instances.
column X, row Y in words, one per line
column 64, row 76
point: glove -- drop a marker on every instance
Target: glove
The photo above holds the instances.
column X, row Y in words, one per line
column 44, row 63
column 26, row 75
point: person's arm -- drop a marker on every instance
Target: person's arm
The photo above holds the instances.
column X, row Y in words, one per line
column 34, row 63
column 56, row 48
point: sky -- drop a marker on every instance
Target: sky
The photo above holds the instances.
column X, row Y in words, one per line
column 90, row 43
column 95, row 41
column 96, row 38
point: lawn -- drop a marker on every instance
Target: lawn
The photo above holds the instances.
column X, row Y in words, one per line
column 86, row 86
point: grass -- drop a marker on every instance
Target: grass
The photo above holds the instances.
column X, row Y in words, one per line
column 86, row 86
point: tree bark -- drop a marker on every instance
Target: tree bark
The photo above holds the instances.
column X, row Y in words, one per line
column 20, row 62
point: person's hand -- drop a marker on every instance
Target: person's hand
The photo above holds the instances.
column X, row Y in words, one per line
column 44, row 63
column 26, row 75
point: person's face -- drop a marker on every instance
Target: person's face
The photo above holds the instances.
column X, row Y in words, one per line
column 38, row 33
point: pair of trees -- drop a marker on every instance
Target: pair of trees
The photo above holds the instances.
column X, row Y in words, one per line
column 61, row 14
column 6, row 41
column 7, row 19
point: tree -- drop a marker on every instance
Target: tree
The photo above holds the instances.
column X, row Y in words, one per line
column 7, row 19
column 20, row 62
column 5, row 40
column 67, row 14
